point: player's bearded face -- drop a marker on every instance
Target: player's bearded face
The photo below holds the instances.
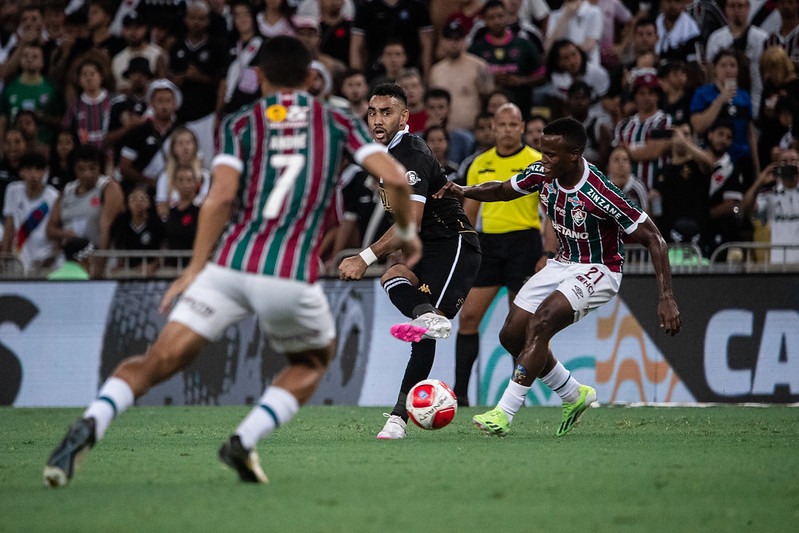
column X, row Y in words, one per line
column 385, row 117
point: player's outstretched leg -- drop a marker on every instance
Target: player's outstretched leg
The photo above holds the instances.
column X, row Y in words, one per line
column 573, row 411
column 65, row 458
column 246, row 463
column 426, row 326
column 494, row 422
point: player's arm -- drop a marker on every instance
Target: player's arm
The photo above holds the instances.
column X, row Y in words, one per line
column 214, row 215
column 647, row 234
column 8, row 235
column 490, row 191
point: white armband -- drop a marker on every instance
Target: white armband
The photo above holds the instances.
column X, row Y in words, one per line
column 368, row 256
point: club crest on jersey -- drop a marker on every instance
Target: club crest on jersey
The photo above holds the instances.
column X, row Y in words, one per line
column 412, row 177
column 578, row 216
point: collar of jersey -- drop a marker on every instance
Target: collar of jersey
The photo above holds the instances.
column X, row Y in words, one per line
column 398, row 137
column 580, row 183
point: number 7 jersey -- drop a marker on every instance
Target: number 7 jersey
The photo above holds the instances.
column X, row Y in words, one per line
column 588, row 218
column 288, row 148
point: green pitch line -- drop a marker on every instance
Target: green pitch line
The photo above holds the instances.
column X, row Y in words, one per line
column 643, row 469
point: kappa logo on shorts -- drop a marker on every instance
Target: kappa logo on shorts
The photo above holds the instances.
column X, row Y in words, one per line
column 424, row 288
column 412, row 177
column 578, row 291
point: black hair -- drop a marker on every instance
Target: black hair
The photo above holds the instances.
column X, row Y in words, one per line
column 554, row 56
column 492, row 4
column 666, row 67
column 570, row 129
column 87, row 152
column 645, row 21
column 391, row 89
column 578, row 86
column 726, row 52
column 284, row 61
column 431, row 129
column 438, row 92
column 234, row 33
column 723, row 122
column 482, row 115
column 33, row 159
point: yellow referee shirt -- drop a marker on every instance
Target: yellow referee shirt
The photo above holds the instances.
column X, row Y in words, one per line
column 504, row 217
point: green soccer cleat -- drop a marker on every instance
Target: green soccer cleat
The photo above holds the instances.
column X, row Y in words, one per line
column 494, row 422
column 573, row 411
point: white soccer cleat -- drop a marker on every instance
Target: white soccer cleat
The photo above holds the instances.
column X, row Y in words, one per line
column 394, row 429
column 426, row 326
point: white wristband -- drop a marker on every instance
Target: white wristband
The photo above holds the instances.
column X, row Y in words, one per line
column 407, row 233
column 368, row 256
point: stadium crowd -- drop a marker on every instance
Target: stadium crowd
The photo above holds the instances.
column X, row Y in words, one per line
column 109, row 110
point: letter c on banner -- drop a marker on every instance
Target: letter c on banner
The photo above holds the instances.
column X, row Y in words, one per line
column 19, row 311
column 721, row 327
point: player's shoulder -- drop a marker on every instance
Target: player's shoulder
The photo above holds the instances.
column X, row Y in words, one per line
column 413, row 146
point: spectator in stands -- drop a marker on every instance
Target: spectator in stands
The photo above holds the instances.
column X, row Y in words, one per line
column 744, row 38
column 411, row 82
column 437, row 138
column 533, row 131
column 30, row 30
column 524, row 28
column 88, row 115
column 774, row 196
column 643, row 39
column 26, row 123
column 724, row 99
column 597, row 124
column 138, row 229
column 180, row 226
column 26, row 211
column 484, row 139
column 183, row 152
column 393, row 61
column 275, row 19
column 61, row 171
column 581, row 23
column 309, row 33
column 376, row 23
column 677, row 32
column 335, row 26
column 356, row 91
column 513, row 61
column 495, row 99
column 128, row 110
column 100, row 37
column 14, row 147
column 9, row 14
column 616, row 20
column 195, row 66
column 87, row 206
column 620, row 173
column 465, row 76
column 75, row 267
column 567, row 63
column 134, row 30
column 676, row 99
column 787, row 36
column 780, row 84
column 31, row 91
column 643, row 133
column 143, row 153
column 437, row 104
column 240, row 86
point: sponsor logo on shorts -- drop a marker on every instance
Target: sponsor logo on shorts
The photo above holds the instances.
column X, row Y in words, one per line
column 201, row 308
column 586, row 283
column 578, row 291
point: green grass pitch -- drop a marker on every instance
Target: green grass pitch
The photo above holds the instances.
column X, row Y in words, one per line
column 622, row 469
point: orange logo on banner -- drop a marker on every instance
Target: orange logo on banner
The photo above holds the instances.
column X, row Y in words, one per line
column 276, row 113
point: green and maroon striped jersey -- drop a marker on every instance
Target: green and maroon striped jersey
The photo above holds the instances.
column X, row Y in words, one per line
column 588, row 218
column 288, row 148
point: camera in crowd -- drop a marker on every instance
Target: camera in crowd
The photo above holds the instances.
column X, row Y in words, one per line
column 786, row 171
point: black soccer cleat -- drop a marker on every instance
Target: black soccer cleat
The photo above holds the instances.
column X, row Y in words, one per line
column 245, row 462
column 66, row 457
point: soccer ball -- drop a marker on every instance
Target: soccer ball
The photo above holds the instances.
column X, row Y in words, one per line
column 431, row 404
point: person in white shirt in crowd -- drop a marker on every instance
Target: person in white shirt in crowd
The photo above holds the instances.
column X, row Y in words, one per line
column 580, row 22
column 183, row 152
column 620, row 172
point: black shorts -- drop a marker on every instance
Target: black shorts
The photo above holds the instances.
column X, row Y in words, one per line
column 447, row 271
column 509, row 258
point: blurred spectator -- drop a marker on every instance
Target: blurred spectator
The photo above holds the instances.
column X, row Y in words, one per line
column 31, row 91
column 240, row 86
column 495, row 99
column 180, row 226
column 723, row 99
column 134, row 30
column 335, row 26
column 464, row 75
column 522, row 27
column 411, row 82
column 620, row 173
column 127, row 110
column 675, row 100
column 61, row 171
column 744, row 38
column 616, row 20
column 9, row 13
column 642, row 39
column 581, row 23
column 780, row 84
column 437, row 139
column 680, row 202
column 677, row 32
column 100, row 36
column 513, row 61
column 25, row 122
column 787, row 36
column 393, row 60
column 143, row 153
column 138, row 229
column 182, row 154
column 30, row 30
column 437, row 103
column 165, row 14
column 774, row 197
column 567, row 63
column 644, row 134
column 533, row 131
column 484, row 139
column 195, row 65
column 75, row 267
column 13, row 148
column 766, row 15
column 309, row 33
column 275, row 19
column 597, row 123
column 26, row 211
column 89, row 114
column 355, row 90
column 376, row 23
column 87, row 206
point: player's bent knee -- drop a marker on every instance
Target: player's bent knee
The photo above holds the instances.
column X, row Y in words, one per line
column 319, row 358
column 399, row 270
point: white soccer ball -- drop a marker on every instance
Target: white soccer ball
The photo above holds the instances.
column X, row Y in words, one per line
column 431, row 404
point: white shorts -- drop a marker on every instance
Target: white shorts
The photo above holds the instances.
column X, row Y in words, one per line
column 586, row 286
column 293, row 315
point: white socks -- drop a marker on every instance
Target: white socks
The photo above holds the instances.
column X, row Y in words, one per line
column 512, row 399
column 114, row 398
column 562, row 383
column 276, row 407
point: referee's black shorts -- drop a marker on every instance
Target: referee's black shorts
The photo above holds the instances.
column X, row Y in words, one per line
column 509, row 258
column 447, row 271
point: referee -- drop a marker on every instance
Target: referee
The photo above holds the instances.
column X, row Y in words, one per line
column 510, row 237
